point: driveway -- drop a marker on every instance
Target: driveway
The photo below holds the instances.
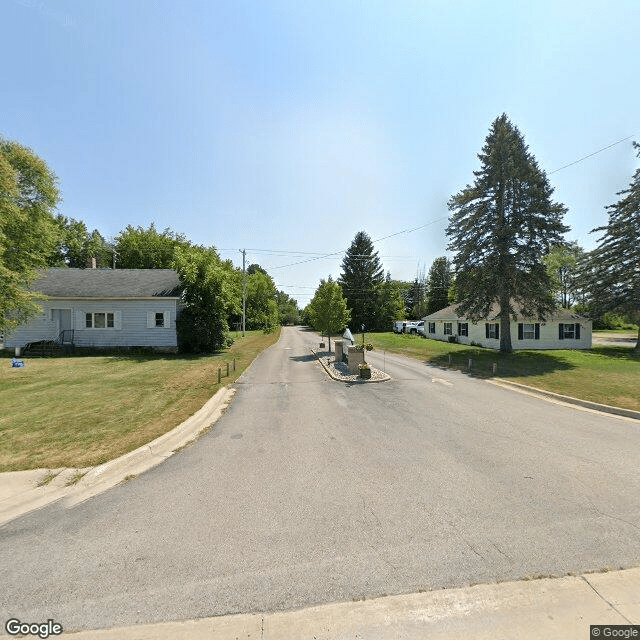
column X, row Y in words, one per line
column 615, row 339
column 311, row 491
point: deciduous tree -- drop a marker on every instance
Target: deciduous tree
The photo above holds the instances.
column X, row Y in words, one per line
column 327, row 310
column 211, row 294
column 140, row 248
column 28, row 234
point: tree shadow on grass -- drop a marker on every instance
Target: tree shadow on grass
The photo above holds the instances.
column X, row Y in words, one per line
column 493, row 364
column 621, row 353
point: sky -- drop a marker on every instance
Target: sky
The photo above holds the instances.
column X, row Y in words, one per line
column 284, row 127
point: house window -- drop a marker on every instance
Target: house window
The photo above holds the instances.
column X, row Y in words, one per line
column 493, row 330
column 100, row 320
column 432, row 327
column 569, row 331
column 448, row 328
column 463, row 328
column 159, row 319
column 528, row 331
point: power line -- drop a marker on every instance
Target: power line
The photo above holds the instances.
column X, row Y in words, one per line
column 592, row 154
column 391, row 235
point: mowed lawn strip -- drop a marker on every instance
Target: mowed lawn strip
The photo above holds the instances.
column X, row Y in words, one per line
column 604, row 374
column 83, row 411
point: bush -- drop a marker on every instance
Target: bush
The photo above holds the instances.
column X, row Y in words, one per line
column 611, row 320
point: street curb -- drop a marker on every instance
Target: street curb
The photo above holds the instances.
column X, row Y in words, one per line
column 338, row 379
column 550, row 608
column 105, row 476
column 604, row 408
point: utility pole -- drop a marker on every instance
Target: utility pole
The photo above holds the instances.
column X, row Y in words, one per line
column 244, row 290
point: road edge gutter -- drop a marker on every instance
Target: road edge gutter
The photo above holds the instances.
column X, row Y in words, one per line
column 587, row 404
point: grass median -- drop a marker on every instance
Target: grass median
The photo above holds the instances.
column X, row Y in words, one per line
column 83, row 411
column 608, row 375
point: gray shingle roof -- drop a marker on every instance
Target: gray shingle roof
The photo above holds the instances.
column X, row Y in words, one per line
column 450, row 313
column 108, row 283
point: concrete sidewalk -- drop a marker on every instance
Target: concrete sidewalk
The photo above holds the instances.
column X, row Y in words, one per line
column 549, row 609
column 24, row 491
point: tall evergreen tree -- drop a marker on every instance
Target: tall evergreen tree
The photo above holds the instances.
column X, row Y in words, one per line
column 615, row 263
column 361, row 277
column 500, row 229
column 438, row 284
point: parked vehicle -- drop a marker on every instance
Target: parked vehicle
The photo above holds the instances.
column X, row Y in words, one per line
column 409, row 326
column 420, row 329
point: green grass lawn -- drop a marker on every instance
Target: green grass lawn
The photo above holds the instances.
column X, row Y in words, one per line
column 609, row 375
column 83, row 411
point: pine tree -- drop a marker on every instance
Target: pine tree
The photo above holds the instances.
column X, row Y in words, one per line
column 500, row 229
column 615, row 264
column 361, row 277
column 438, row 284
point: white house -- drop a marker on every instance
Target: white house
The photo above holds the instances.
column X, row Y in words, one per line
column 561, row 329
column 104, row 308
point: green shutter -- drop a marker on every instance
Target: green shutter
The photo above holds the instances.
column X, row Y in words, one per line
column 520, row 331
column 577, row 333
column 537, row 331
column 561, row 331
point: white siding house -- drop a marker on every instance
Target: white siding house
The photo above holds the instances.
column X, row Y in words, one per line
column 104, row 308
column 562, row 329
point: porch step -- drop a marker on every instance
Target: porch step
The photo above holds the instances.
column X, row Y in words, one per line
column 43, row 349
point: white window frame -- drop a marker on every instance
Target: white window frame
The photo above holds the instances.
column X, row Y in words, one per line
column 432, row 327
column 463, row 329
column 528, row 333
column 493, row 330
column 152, row 319
column 569, row 331
column 106, row 314
column 448, row 328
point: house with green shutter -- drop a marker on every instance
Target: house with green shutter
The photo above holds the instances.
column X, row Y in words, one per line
column 562, row 329
column 103, row 308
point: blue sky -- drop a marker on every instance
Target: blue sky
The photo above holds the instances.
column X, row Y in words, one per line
column 288, row 126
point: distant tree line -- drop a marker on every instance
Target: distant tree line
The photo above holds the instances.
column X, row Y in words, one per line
column 33, row 236
column 506, row 236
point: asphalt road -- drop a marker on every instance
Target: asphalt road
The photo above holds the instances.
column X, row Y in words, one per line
column 310, row 490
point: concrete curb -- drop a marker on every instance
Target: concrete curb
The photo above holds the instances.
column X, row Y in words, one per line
column 604, row 408
column 550, row 608
column 339, row 379
column 19, row 495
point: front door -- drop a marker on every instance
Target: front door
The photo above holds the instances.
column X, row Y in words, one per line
column 64, row 323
